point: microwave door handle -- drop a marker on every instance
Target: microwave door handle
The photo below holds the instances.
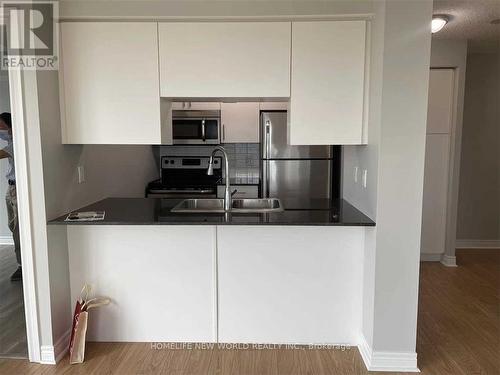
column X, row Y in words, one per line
column 203, row 137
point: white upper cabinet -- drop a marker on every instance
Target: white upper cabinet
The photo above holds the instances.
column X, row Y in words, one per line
column 240, row 122
column 109, row 83
column 328, row 83
column 225, row 59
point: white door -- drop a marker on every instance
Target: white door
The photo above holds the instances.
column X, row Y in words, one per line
column 240, row 122
column 437, row 161
column 225, row 59
column 327, row 83
column 109, row 83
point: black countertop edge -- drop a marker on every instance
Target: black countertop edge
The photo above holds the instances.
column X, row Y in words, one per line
column 155, row 211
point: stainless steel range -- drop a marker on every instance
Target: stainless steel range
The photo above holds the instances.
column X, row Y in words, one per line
column 186, row 177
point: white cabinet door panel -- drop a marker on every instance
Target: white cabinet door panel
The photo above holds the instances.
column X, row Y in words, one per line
column 240, row 122
column 225, row 59
column 109, row 83
column 327, row 83
column 160, row 280
column 290, row 284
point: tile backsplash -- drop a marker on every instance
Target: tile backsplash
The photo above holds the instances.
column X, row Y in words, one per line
column 244, row 158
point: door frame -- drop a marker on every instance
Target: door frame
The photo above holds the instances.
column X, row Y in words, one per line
column 19, row 90
column 448, row 257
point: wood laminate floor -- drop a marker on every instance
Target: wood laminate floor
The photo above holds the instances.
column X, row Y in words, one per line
column 458, row 334
column 12, row 319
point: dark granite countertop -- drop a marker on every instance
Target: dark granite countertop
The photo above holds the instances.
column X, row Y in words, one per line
column 147, row 211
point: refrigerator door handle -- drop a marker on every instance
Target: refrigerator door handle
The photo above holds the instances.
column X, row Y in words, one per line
column 265, row 180
column 268, row 139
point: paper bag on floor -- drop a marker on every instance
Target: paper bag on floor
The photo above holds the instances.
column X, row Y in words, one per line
column 80, row 319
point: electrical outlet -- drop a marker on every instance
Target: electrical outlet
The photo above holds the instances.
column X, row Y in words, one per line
column 356, row 175
column 365, row 177
column 81, row 174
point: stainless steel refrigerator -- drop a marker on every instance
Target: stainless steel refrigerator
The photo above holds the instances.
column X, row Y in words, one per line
column 299, row 175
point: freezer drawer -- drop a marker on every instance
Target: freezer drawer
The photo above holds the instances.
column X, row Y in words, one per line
column 299, row 180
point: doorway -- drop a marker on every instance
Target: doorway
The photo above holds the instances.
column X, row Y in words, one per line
column 13, row 340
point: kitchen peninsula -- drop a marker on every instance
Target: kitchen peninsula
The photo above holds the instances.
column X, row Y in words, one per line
column 287, row 277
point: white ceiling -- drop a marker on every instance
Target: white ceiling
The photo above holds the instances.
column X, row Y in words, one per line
column 470, row 20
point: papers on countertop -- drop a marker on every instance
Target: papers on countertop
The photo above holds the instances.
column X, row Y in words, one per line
column 86, row 216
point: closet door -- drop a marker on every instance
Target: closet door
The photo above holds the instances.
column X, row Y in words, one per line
column 437, row 161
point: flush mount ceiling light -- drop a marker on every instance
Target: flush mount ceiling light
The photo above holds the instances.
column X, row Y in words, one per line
column 438, row 22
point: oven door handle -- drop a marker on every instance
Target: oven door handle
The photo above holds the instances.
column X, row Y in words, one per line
column 203, row 136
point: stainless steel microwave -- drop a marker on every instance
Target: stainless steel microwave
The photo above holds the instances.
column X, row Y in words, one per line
column 196, row 127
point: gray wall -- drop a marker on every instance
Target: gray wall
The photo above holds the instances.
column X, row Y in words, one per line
column 479, row 192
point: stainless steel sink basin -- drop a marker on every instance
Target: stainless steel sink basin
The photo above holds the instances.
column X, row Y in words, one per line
column 266, row 204
column 238, row 205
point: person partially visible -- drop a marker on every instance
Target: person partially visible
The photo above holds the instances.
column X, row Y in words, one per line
column 11, row 198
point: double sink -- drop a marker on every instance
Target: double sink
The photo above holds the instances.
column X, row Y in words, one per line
column 237, row 205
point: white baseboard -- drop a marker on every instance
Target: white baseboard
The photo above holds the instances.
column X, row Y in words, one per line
column 47, row 356
column 446, row 260
column 50, row 355
column 449, row 260
column 6, row 240
column 477, row 244
column 387, row 361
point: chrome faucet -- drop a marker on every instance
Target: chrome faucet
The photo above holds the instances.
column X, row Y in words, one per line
column 210, row 171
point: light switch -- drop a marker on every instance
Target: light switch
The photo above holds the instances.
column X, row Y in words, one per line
column 81, row 174
column 365, row 177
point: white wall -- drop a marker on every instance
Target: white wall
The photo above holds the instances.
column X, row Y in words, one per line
column 392, row 263
column 5, row 233
column 479, row 197
column 401, row 172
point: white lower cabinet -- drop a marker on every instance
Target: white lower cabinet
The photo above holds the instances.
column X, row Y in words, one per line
column 234, row 284
column 289, row 284
column 160, row 280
